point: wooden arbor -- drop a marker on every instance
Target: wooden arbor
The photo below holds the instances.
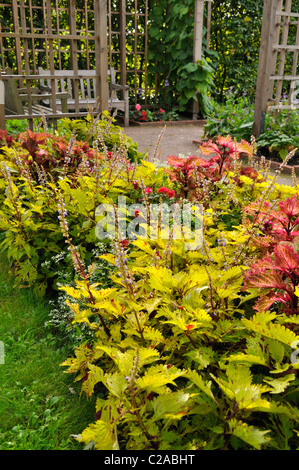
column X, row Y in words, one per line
column 64, row 34
column 275, row 51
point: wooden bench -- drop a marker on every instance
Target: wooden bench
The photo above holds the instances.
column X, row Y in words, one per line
column 87, row 90
column 15, row 97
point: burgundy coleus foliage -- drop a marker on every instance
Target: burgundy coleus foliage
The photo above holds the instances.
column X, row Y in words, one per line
column 279, row 224
column 278, row 275
column 278, row 271
column 224, row 151
column 7, row 140
column 182, row 172
column 188, row 172
column 31, row 141
column 51, row 151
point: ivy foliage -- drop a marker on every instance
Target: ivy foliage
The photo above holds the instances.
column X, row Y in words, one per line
column 171, row 33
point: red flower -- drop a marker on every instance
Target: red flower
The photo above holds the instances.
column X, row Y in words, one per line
column 163, row 190
column 170, row 193
column 124, row 243
column 148, row 190
column 143, row 118
column 135, row 184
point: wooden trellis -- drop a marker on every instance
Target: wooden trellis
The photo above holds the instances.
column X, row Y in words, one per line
column 80, row 35
column 55, row 35
column 128, row 43
column 276, row 53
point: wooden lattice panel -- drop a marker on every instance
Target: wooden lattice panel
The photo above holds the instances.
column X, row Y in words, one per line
column 55, row 35
column 278, row 74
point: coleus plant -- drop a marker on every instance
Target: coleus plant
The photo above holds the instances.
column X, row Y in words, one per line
column 173, row 371
column 196, row 176
column 225, row 150
column 277, row 273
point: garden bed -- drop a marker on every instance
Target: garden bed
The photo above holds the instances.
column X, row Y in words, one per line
column 168, row 327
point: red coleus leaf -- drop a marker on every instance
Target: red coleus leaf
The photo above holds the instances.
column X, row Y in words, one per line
column 265, row 302
column 264, row 280
column 187, row 163
column 226, row 145
column 286, row 260
column 31, row 141
column 290, row 207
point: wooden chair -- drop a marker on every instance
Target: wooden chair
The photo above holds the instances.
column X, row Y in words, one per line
column 15, row 97
column 87, row 90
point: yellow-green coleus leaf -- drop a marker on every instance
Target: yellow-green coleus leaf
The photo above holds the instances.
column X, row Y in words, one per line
column 238, row 386
column 249, row 434
column 102, row 433
column 157, row 377
column 271, row 330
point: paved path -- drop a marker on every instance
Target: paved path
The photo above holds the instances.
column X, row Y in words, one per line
column 176, row 139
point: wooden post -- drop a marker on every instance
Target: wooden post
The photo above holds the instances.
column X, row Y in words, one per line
column 197, row 43
column 2, row 103
column 101, row 48
column 74, row 51
column 17, row 31
column 209, row 17
column 294, row 83
column 263, row 84
column 276, row 41
column 26, row 59
column 123, row 53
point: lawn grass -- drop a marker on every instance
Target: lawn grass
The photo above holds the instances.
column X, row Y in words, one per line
column 40, row 407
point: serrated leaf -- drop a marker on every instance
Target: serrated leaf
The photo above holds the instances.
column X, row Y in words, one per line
column 249, row 434
column 247, row 358
column 103, row 435
column 276, row 350
column 170, row 403
column 158, row 376
column 116, row 383
column 279, row 385
column 238, row 386
column 95, row 375
column 271, row 330
column 199, row 382
column 153, row 335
